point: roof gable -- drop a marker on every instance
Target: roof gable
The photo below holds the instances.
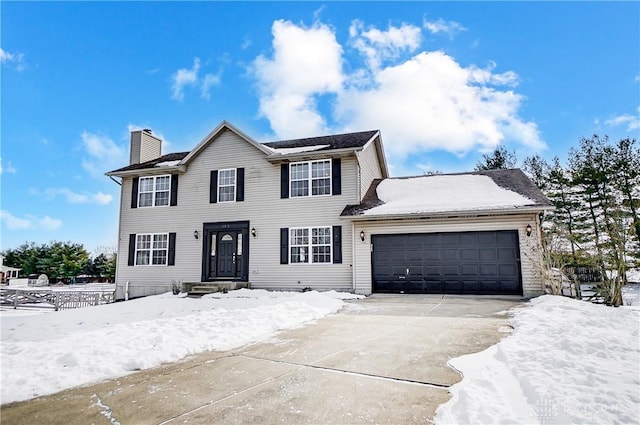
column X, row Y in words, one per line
column 209, row 138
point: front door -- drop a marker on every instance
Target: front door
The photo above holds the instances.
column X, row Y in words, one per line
column 225, row 251
column 227, row 255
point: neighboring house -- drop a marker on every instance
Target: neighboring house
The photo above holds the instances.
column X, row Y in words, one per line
column 7, row 273
column 320, row 213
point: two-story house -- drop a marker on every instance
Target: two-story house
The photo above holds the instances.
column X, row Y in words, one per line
column 319, row 213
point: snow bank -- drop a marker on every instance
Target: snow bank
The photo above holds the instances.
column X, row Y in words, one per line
column 566, row 362
column 46, row 353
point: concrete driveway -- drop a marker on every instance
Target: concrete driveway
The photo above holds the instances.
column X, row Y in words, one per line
column 380, row 360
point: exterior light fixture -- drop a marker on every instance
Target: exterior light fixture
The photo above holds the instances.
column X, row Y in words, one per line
column 196, row 234
column 253, row 232
column 529, row 230
column 362, row 235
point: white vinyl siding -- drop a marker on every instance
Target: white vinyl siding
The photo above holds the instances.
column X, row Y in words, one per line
column 152, row 249
column 227, row 185
column 314, row 174
column 154, row 191
column 262, row 208
column 310, row 245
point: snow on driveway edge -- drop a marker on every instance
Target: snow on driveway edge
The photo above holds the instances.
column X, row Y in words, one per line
column 566, row 361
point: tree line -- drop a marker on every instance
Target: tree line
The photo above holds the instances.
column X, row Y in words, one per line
column 61, row 261
column 596, row 195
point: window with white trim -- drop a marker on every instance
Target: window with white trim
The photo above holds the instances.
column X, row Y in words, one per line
column 227, row 185
column 152, row 249
column 311, row 178
column 310, row 245
column 154, row 191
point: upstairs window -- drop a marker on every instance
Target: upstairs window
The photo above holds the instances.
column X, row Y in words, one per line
column 154, row 191
column 310, row 178
column 227, row 185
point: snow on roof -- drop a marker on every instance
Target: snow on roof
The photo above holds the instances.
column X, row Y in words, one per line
column 299, row 149
column 434, row 194
column 167, row 163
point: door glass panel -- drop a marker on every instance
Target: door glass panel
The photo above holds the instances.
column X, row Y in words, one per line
column 227, row 237
column 239, row 249
column 213, row 244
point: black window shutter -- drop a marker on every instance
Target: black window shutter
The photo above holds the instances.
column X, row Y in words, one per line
column 174, row 191
column 239, row 184
column 284, row 181
column 134, row 193
column 336, row 177
column 132, row 249
column 284, row 245
column 337, row 244
column 171, row 255
column 213, row 187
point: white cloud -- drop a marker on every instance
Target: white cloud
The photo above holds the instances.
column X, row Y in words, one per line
column 305, row 62
column 102, row 154
column 14, row 59
column 450, row 28
column 79, row 198
column 424, row 102
column 189, row 77
column 29, row 222
column 631, row 121
column 184, row 77
column 208, row 81
column 378, row 46
column 8, row 168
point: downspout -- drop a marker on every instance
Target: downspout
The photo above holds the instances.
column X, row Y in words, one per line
column 353, row 257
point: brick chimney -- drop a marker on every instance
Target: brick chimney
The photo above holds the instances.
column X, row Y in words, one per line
column 144, row 146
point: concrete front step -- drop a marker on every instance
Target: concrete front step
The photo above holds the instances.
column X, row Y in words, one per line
column 201, row 288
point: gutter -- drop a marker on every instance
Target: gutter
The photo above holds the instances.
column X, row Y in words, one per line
column 446, row 214
column 148, row 171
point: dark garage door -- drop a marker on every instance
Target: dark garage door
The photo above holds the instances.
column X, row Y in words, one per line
column 451, row 263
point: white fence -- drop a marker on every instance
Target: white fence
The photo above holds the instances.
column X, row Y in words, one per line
column 58, row 299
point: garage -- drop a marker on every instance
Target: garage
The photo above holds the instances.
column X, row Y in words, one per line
column 474, row 262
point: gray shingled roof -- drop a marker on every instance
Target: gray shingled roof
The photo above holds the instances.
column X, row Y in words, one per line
column 512, row 179
column 177, row 156
column 336, row 141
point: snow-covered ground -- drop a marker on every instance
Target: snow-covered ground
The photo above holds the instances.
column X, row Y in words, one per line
column 46, row 352
column 566, row 362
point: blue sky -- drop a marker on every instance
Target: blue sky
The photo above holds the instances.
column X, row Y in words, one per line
column 444, row 82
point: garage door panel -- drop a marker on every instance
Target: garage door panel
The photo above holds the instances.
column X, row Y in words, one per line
column 488, row 270
column 469, row 269
column 449, row 254
column 488, row 254
column 450, row 239
column 506, row 254
column 469, row 254
column 431, row 254
column 483, row 262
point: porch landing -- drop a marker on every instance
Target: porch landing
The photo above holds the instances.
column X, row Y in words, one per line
column 202, row 288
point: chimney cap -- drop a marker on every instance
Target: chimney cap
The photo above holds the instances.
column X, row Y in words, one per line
column 147, row 130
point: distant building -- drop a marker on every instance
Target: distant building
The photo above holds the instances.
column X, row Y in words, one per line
column 7, row 273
